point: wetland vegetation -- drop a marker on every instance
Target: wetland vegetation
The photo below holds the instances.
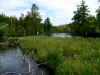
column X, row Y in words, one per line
column 79, row 55
column 66, row 56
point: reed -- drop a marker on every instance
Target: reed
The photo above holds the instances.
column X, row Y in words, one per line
column 66, row 56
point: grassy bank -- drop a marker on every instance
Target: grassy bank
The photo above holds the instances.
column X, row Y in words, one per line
column 66, row 56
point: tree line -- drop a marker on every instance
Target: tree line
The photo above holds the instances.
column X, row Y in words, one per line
column 30, row 24
column 83, row 23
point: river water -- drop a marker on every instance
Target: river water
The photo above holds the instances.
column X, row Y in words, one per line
column 62, row 35
column 11, row 60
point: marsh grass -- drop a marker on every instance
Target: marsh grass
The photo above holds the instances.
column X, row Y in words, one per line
column 66, row 56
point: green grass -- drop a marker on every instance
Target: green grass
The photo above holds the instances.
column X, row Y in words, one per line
column 66, row 56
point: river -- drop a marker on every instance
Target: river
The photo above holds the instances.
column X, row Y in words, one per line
column 62, row 35
column 11, row 60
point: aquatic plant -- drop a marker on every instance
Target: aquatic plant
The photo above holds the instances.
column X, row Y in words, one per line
column 66, row 56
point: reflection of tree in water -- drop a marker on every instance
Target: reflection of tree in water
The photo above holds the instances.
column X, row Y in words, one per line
column 5, row 43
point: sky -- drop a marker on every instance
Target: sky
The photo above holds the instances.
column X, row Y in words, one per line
column 59, row 11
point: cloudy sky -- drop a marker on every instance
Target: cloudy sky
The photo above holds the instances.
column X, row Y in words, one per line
column 59, row 11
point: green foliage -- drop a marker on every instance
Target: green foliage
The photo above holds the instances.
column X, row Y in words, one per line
column 98, row 21
column 81, row 14
column 53, row 59
column 47, row 25
column 63, row 28
column 4, row 18
column 3, row 30
column 32, row 22
column 77, row 67
column 80, row 18
column 35, row 18
column 66, row 56
column 85, row 24
column 98, row 17
column 26, row 25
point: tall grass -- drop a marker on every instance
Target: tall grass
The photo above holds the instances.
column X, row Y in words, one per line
column 66, row 56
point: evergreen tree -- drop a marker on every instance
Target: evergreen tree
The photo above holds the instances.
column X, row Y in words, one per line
column 80, row 17
column 27, row 24
column 47, row 25
column 98, row 17
column 35, row 18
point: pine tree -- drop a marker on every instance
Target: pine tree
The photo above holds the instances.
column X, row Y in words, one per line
column 35, row 18
column 80, row 17
column 47, row 25
column 98, row 17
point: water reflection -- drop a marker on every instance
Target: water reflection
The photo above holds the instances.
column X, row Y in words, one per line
column 11, row 59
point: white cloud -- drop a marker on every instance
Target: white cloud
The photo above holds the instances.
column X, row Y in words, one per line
column 12, row 4
column 43, row 14
column 59, row 11
column 17, row 13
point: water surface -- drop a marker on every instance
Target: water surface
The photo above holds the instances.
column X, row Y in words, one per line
column 11, row 60
column 63, row 35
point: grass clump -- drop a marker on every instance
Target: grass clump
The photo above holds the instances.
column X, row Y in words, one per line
column 53, row 59
column 66, row 56
column 76, row 67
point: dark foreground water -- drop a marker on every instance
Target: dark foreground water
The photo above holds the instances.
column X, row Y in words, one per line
column 11, row 60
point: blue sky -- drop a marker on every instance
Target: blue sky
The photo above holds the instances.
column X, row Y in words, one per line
column 59, row 11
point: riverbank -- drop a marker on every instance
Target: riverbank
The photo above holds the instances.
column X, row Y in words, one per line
column 66, row 56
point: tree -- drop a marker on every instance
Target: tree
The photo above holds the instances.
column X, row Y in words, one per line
column 3, row 29
column 4, row 20
column 1, row 18
column 21, row 20
column 35, row 18
column 47, row 25
column 27, row 24
column 98, row 17
column 80, row 17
